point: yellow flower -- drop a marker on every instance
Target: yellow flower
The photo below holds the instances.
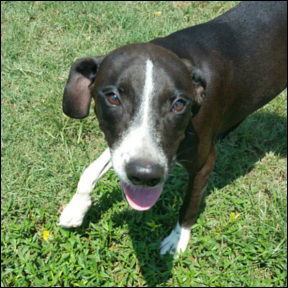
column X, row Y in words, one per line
column 157, row 13
column 46, row 234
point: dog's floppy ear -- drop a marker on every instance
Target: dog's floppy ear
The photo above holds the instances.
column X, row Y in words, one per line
column 199, row 84
column 77, row 94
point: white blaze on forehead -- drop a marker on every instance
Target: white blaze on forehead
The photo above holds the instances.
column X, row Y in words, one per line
column 147, row 93
column 139, row 140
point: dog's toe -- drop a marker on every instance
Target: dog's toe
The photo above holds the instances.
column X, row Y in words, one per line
column 169, row 244
column 176, row 242
column 73, row 214
column 70, row 219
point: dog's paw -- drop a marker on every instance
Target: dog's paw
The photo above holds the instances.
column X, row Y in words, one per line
column 70, row 217
column 73, row 214
column 176, row 242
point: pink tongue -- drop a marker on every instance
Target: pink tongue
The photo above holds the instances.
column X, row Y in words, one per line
column 142, row 198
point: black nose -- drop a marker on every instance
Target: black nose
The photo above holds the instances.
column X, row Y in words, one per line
column 144, row 173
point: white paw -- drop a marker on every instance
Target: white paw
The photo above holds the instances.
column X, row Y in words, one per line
column 73, row 214
column 176, row 242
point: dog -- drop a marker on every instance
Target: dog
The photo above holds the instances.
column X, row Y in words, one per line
column 168, row 100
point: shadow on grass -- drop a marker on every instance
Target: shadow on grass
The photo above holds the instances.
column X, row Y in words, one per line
column 237, row 154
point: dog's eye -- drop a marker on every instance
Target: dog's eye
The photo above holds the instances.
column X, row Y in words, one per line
column 178, row 105
column 112, row 98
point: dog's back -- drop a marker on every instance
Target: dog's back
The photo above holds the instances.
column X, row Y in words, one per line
column 243, row 55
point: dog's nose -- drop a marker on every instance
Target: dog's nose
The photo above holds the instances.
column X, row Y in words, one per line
column 144, row 173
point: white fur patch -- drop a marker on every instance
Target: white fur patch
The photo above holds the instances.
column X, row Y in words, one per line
column 139, row 141
column 94, row 172
column 147, row 96
column 73, row 214
column 176, row 242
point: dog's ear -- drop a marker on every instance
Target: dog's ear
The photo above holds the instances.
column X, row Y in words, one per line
column 77, row 94
column 199, row 84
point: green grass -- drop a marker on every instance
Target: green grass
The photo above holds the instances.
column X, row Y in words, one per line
column 240, row 237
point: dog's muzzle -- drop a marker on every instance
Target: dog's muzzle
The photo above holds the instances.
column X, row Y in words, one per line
column 146, row 184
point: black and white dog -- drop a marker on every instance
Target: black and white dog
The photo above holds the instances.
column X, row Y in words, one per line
column 169, row 99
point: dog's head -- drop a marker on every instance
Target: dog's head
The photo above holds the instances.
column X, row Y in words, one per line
column 145, row 96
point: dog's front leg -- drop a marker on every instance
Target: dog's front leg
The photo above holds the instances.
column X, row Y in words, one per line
column 178, row 239
column 74, row 212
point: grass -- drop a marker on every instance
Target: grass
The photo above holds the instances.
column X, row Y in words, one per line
column 240, row 236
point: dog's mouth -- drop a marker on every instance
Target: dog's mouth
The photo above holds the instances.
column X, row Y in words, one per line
column 141, row 198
